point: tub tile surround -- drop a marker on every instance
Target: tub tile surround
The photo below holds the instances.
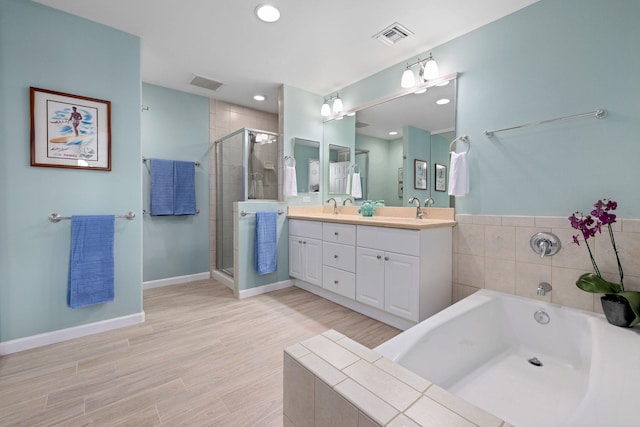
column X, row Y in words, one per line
column 332, row 380
column 493, row 252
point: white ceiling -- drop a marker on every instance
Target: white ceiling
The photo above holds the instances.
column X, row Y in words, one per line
column 318, row 46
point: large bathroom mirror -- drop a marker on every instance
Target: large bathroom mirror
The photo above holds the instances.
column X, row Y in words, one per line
column 391, row 133
column 307, row 155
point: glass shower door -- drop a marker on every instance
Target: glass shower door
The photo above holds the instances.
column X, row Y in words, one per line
column 229, row 186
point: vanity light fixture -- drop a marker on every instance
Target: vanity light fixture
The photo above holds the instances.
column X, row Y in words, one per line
column 259, row 97
column 267, row 13
column 420, row 91
column 325, row 111
column 443, row 101
column 428, row 71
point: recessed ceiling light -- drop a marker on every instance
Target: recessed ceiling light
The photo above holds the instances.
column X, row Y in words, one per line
column 419, row 91
column 443, row 101
column 340, row 118
column 267, row 13
column 353, row 113
column 259, row 97
column 443, row 83
column 393, row 133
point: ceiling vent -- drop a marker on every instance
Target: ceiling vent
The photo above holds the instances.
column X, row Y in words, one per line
column 361, row 125
column 205, row 83
column 393, row 34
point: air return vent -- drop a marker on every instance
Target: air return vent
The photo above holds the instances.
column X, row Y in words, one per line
column 205, row 83
column 393, row 34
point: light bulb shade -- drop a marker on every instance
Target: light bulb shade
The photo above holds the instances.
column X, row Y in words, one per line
column 408, row 79
column 430, row 69
column 337, row 105
column 325, row 111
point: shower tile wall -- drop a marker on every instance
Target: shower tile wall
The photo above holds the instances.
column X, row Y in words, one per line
column 225, row 118
column 493, row 252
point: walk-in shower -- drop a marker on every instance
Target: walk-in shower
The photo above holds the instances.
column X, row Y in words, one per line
column 246, row 169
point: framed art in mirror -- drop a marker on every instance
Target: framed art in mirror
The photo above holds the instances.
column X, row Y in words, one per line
column 419, row 174
column 441, row 177
column 70, row 131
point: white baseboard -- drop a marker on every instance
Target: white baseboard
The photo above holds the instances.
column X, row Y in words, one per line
column 175, row 280
column 354, row 305
column 246, row 293
column 47, row 338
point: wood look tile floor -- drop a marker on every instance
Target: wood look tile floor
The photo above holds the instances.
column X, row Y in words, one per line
column 202, row 358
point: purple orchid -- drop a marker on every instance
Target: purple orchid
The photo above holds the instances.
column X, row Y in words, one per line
column 589, row 227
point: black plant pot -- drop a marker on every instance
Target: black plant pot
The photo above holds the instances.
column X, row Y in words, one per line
column 617, row 310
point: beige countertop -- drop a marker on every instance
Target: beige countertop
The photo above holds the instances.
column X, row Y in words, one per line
column 393, row 217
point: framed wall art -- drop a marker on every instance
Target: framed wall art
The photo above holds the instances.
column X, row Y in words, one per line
column 70, row 131
column 441, row 177
column 420, row 174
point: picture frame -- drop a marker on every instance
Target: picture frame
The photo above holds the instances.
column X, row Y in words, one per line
column 419, row 174
column 69, row 131
column 440, row 177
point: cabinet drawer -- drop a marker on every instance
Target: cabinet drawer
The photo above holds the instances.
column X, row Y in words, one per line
column 339, row 256
column 311, row 229
column 338, row 281
column 389, row 239
column 339, row 233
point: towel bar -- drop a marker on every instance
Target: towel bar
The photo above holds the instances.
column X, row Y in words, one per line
column 245, row 213
column 144, row 159
column 144, row 212
column 56, row 217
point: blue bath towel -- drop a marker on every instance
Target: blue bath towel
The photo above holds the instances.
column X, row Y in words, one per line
column 184, row 188
column 161, row 186
column 91, row 272
column 266, row 247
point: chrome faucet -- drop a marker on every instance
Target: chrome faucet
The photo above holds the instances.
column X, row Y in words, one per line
column 429, row 201
column 335, row 205
column 418, row 210
column 543, row 288
column 348, row 199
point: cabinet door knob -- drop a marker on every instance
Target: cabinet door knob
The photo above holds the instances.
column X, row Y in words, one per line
column 299, row 241
column 335, row 282
column 378, row 257
column 335, row 233
column 386, row 258
column 304, row 243
column 335, row 256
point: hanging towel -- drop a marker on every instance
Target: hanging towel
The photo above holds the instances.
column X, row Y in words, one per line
column 348, row 186
column 161, row 186
column 184, row 188
column 356, row 186
column 266, row 246
column 91, row 272
column 290, row 182
column 458, row 175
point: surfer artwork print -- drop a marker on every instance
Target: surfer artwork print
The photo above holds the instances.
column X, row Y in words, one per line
column 70, row 131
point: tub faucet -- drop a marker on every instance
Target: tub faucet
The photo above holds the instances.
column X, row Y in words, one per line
column 348, row 199
column 543, row 288
column 428, row 202
column 335, row 205
column 418, row 210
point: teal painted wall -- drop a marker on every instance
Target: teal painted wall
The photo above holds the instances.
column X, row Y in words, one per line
column 176, row 127
column 300, row 118
column 551, row 59
column 45, row 48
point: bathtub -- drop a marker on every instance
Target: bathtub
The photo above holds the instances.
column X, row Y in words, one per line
column 528, row 362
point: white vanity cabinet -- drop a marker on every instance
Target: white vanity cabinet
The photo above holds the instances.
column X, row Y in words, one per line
column 305, row 251
column 395, row 275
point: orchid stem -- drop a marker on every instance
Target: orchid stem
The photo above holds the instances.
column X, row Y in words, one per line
column 593, row 261
column 615, row 249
